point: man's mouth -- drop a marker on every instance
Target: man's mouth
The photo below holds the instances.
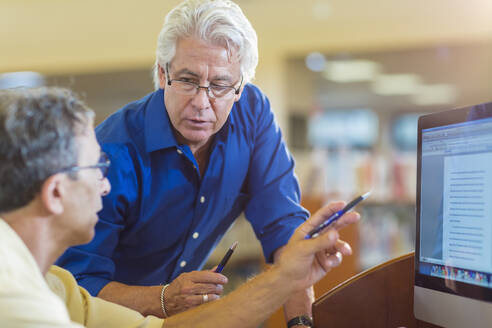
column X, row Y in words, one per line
column 198, row 122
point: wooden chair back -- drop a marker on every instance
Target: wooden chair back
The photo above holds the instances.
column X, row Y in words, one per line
column 379, row 297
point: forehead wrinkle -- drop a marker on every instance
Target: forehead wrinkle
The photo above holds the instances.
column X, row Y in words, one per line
column 227, row 78
column 218, row 77
column 186, row 71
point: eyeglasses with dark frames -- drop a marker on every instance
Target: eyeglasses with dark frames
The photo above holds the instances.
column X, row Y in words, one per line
column 103, row 164
column 214, row 91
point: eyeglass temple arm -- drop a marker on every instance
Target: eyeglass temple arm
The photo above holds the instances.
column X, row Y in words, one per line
column 240, row 84
column 167, row 73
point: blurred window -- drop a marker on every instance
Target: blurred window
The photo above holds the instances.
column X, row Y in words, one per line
column 356, row 128
column 404, row 132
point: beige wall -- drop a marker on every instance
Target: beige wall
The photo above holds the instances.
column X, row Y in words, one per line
column 69, row 36
column 59, row 35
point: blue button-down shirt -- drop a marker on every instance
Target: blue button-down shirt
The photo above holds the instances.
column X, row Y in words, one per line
column 159, row 201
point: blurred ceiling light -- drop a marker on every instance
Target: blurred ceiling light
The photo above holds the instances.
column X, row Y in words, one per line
column 434, row 94
column 321, row 10
column 315, row 61
column 345, row 71
column 396, row 84
column 21, row 79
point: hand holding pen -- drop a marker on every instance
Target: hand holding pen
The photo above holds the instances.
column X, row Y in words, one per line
column 190, row 289
column 305, row 261
column 335, row 216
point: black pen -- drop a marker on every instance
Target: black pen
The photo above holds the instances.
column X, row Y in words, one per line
column 226, row 257
column 335, row 216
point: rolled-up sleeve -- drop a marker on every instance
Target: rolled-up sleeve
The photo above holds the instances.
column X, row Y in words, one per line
column 274, row 208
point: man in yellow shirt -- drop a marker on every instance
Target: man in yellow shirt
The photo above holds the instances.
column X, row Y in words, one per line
column 52, row 177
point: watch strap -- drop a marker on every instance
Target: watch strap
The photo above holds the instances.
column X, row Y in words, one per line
column 302, row 320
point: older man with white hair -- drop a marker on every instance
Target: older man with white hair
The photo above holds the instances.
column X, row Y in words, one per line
column 187, row 160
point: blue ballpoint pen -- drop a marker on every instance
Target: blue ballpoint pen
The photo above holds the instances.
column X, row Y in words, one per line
column 226, row 257
column 335, row 216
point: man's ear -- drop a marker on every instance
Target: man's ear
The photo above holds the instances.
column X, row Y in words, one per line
column 52, row 194
column 162, row 76
column 238, row 96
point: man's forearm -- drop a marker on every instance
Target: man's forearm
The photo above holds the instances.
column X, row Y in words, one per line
column 247, row 306
column 299, row 303
column 144, row 299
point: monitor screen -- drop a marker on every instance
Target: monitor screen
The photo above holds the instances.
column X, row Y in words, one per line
column 457, row 167
column 454, row 209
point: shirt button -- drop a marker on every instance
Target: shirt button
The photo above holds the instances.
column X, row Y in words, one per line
column 202, row 199
column 179, row 151
column 182, row 264
column 195, row 235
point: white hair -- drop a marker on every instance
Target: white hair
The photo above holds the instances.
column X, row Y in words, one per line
column 217, row 22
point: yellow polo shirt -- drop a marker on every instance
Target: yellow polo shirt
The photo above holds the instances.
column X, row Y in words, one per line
column 27, row 299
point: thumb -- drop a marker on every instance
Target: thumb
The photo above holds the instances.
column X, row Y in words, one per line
column 326, row 240
column 317, row 218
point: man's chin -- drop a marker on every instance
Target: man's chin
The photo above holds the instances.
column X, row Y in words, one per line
column 197, row 137
column 91, row 231
column 88, row 236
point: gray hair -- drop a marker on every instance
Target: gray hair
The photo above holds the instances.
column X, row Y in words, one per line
column 37, row 139
column 217, row 22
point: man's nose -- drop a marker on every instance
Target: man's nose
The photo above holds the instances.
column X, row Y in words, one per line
column 201, row 99
column 105, row 187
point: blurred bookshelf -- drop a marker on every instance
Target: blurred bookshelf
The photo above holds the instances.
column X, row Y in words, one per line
column 352, row 127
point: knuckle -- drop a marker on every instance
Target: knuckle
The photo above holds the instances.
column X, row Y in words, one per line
column 186, row 290
column 189, row 302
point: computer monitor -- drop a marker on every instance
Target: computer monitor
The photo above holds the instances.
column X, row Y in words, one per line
column 453, row 250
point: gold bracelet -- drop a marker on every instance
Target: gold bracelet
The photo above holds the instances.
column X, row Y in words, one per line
column 162, row 301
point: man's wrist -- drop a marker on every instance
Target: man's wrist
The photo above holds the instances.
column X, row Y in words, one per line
column 302, row 320
column 280, row 278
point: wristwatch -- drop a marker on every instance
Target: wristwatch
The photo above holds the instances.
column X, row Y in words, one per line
column 302, row 320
